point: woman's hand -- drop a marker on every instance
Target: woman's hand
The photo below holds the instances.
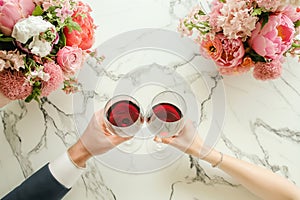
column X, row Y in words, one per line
column 188, row 140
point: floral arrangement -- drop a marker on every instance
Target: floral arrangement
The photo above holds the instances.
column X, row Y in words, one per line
column 43, row 44
column 240, row 35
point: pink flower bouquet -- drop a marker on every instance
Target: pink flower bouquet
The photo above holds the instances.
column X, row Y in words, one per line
column 239, row 35
column 43, row 44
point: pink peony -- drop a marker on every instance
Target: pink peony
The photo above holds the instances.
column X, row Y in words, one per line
column 267, row 71
column 232, row 54
column 13, row 85
column 84, row 38
column 275, row 38
column 292, row 12
column 56, row 78
column 11, row 11
column 246, row 65
column 70, row 59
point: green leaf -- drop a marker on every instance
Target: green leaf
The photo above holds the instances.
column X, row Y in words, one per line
column 257, row 11
column 73, row 26
column 255, row 57
column 296, row 45
column 38, row 11
column 201, row 12
column 6, row 39
column 35, row 94
column 265, row 18
column 297, row 24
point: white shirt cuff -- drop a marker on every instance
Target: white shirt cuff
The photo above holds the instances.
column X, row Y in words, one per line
column 64, row 171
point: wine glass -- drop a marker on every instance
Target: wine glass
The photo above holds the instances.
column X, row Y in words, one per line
column 165, row 118
column 123, row 116
column 166, row 115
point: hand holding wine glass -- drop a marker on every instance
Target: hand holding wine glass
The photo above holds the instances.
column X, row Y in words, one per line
column 123, row 116
column 188, row 140
column 96, row 138
column 166, row 114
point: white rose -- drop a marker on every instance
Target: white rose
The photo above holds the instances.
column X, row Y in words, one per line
column 32, row 27
column 40, row 48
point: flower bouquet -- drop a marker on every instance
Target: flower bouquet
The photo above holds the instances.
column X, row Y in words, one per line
column 239, row 35
column 43, row 44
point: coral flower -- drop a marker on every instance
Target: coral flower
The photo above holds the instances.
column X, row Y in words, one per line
column 211, row 48
column 84, row 38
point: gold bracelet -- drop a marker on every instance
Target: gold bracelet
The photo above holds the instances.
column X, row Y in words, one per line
column 219, row 162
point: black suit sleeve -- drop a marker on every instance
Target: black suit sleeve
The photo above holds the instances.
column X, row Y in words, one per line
column 39, row 186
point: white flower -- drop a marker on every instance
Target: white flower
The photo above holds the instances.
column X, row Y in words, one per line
column 39, row 47
column 2, row 64
column 39, row 73
column 32, row 27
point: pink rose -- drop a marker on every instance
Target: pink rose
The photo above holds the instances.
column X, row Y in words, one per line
column 232, row 54
column 11, row 11
column 70, row 59
column 274, row 38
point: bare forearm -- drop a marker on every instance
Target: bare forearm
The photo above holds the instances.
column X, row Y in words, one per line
column 262, row 182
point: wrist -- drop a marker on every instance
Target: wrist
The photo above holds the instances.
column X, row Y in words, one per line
column 79, row 155
column 214, row 158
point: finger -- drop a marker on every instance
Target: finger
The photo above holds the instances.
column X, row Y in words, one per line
column 157, row 139
column 163, row 140
column 167, row 140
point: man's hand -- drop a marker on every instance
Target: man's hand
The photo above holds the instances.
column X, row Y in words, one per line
column 94, row 141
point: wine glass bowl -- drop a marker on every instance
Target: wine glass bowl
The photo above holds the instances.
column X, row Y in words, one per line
column 123, row 116
column 166, row 114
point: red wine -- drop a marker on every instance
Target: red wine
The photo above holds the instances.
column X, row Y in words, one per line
column 123, row 113
column 167, row 112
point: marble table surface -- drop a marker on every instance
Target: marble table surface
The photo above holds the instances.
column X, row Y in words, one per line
column 256, row 121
